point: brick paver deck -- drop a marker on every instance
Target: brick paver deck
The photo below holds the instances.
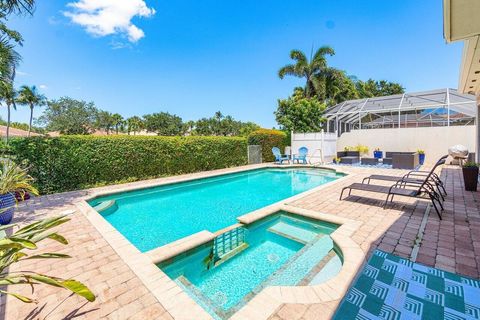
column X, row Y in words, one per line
column 452, row 244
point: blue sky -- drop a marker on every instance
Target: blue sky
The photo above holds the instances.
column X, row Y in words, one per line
column 192, row 58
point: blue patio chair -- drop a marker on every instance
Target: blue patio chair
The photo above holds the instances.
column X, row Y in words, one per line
column 302, row 155
column 279, row 158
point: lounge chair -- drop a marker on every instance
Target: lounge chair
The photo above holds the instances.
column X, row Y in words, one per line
column 402, row 188
column 416, row 177
column 302, row 155
column 279, row 158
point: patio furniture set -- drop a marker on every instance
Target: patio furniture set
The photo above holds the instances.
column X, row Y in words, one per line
column 398, row 160
column 416, row 184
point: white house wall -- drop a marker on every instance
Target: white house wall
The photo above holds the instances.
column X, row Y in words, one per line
column 434, row 140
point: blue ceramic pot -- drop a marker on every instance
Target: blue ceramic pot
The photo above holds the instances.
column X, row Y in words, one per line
column 7, row 201
column 378, row 154
column 421, row 158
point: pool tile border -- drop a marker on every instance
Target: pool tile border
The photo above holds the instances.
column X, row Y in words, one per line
column 177, row 302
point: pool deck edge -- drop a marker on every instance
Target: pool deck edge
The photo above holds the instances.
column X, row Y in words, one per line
column 176, row 301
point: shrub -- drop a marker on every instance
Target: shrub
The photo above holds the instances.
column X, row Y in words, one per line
column 361, row 149
column 76, row 162
column 268, row 139
column 470, row 164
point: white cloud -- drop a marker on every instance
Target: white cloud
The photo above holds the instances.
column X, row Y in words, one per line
column 43, row 86
column 108, row 17
column 21, row 73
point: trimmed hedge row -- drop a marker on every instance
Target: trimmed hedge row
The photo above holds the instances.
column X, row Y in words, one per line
column 268, row 139
column 76, row 162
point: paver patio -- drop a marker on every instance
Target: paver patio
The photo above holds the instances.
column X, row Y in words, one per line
column 452, row 244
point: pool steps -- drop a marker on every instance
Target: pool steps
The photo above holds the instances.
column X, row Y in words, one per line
column 301, row 261
column 295, row 233
column 106, row 207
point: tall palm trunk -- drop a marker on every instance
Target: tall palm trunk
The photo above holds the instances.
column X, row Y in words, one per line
column 31, row 118
column 8, row 121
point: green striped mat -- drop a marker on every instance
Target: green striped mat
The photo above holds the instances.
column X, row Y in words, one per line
column 394, row 288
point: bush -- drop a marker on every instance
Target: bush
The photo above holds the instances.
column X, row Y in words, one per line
column 363, row 150
column 268, row 139
column 76, row 162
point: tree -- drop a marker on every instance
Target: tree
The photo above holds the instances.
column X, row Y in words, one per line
column 70, row 116
column 164, row 124
column 134, row 124
column 372, row 88
column 312, row 70
column 8, row 95
column 104, row 120
column 300, row 114
column 248, row 127
column 31, row 97
column 339, row 87
column 117, row 120
column 220, row 125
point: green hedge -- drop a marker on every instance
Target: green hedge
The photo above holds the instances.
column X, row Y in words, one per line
column 76, row 162
column 268, row 139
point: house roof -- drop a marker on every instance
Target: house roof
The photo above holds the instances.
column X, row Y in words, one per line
column 14, row 132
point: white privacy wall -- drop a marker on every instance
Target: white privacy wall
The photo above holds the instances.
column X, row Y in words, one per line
column 318, row 144
column 434, row 140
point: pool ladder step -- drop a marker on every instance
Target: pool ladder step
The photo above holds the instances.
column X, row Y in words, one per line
column 229, row 241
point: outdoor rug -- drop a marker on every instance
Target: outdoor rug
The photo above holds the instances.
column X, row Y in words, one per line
column 394, row 288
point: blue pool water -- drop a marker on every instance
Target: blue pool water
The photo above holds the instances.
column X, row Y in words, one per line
column 153, row 217
column 270, row 259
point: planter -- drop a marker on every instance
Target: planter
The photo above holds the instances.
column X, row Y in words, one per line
column 421, row 158
column 7, row 201
column 470, row 178
column 378, row 154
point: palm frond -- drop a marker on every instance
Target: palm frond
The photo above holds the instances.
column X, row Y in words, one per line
column 17, row 6
column 13, row 178
column 288, row 70
column 9, row 60
column 298, row 56
column 322, row 52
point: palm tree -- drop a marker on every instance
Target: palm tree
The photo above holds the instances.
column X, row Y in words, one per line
column 134, row 124
column 312, row 70
column 8, row 95
column 117, row 121
column 9, row 60
column 31, row 97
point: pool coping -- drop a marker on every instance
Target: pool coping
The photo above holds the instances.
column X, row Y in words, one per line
column 178, row 303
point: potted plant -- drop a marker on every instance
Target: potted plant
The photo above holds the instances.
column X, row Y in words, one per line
column 421, row 157
column 377, row 154
column 12, row 179
column 361, row 149
column 470, row 176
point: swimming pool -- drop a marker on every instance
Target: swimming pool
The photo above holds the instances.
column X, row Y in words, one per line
column 278, row 250
column 156, row 216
